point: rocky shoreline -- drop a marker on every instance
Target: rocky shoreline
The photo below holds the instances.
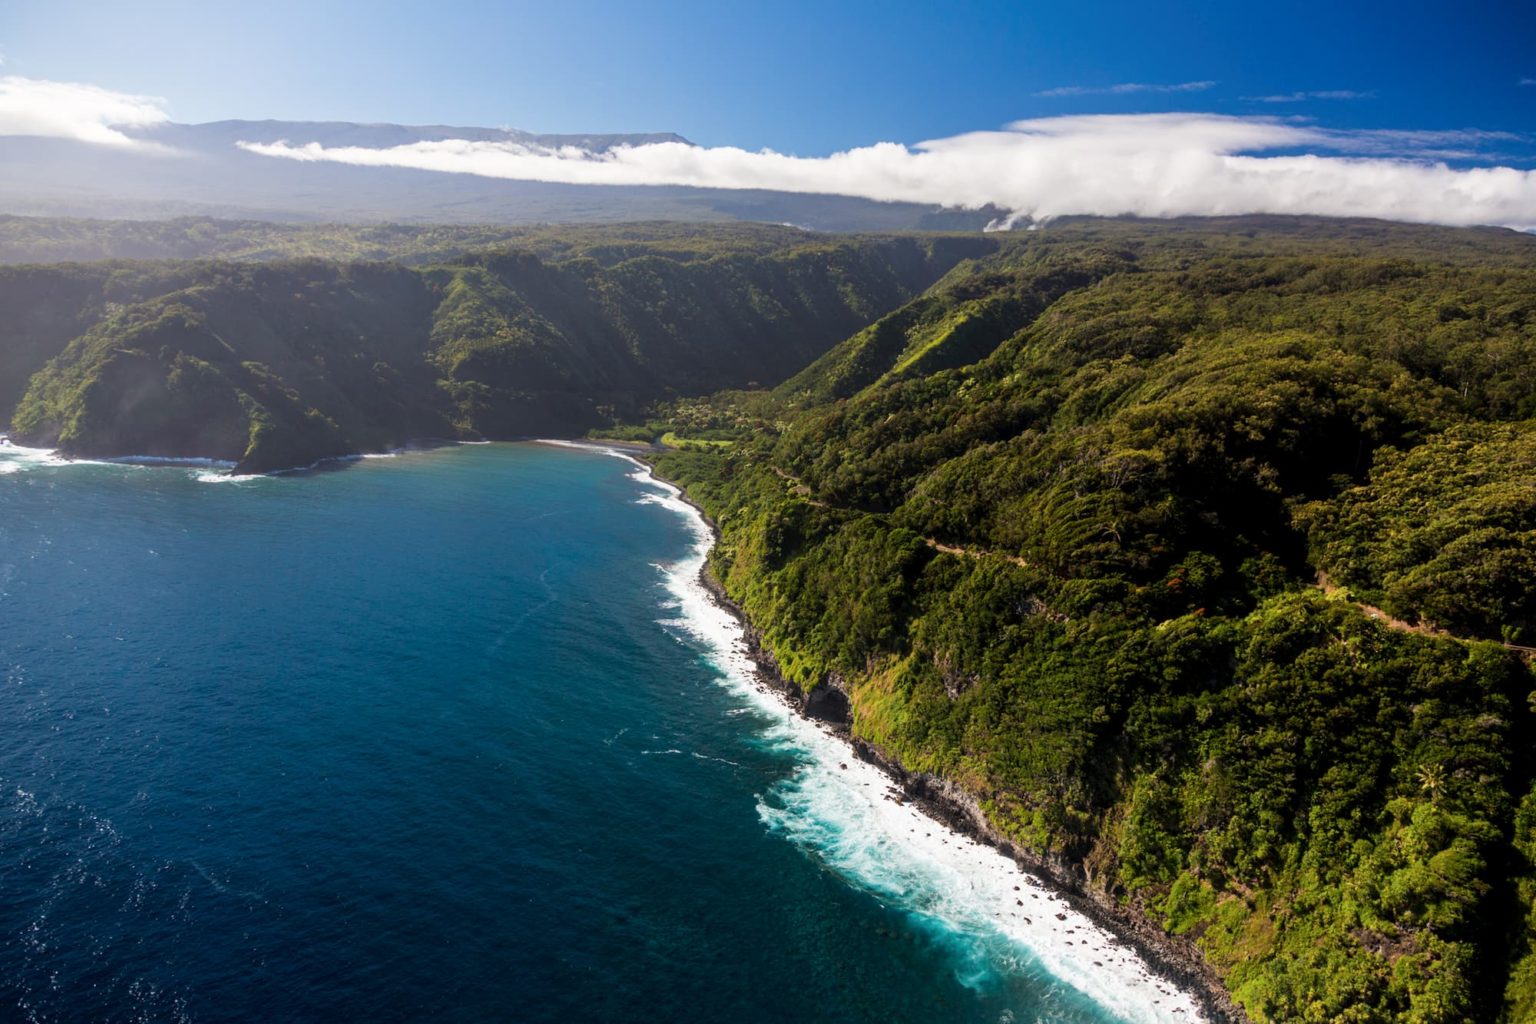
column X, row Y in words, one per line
column 1173, row 958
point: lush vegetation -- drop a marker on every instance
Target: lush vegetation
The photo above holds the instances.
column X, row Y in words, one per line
column 59, row 239
column 1056, row 528
column 277, row 364
column 63, row 239
column 1200, row 553
column 1439, row 534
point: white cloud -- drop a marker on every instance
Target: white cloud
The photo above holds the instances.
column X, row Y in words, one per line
column 1123, row 88
column 71, row 110
column 1153, row 165
column 1316, row 94
column 1528, row 81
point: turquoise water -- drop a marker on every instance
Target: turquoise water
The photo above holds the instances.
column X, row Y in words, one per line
column 452, row 736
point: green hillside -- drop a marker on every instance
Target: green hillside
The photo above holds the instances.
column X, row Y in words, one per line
column 1198, row 553
column 76, row 240
column 1201, row 556
column 276, row 364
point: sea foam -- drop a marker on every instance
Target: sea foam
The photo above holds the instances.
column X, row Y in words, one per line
column 843, row 811
column 15, row 458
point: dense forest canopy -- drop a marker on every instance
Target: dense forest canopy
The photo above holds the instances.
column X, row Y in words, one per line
column 1203, row 558
column 74, row 240
column 1200, row 553
column 277, row 363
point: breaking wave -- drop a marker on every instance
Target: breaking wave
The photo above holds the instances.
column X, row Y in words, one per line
column 999, row 920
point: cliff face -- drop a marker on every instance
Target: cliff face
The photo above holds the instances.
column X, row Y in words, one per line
column 280, row 364
column 256, row 365
column 1075, row 579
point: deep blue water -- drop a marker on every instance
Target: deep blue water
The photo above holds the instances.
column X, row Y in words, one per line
column 434, row 738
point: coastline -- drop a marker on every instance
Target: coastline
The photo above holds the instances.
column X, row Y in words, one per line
column 1173, row 959
column 216, row 469
column 234, row 470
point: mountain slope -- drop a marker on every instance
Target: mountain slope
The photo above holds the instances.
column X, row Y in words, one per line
column 1197, row 555
column 1055, row 529
column 278, row 364
column 197, row 170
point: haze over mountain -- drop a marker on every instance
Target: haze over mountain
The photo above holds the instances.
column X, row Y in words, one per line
column 78, row 148
column 198, row 169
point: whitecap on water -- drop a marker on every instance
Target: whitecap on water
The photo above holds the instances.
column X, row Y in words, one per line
column 842, row 811
column 15, row 458
column 226, row 478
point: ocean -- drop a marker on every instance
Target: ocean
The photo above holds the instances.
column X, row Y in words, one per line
column 456, row 736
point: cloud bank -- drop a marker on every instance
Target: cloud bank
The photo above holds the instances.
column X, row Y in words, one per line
column 1150, row 165
column 72, row 110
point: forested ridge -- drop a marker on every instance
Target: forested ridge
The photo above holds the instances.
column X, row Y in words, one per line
column 85, row 240
column 1099, row 527
column 1200, row 553
column 277, row 363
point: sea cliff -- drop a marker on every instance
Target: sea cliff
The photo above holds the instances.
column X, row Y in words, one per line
column 947, row 803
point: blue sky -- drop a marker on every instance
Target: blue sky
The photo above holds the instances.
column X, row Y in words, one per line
column 1407, row 111
column 806, row 78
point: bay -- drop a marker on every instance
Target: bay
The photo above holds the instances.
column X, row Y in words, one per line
column 454, row 736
